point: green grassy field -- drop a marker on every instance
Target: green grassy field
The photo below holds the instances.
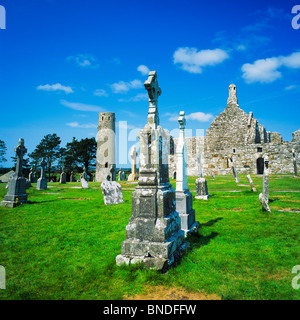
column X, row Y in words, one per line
column 63, row 245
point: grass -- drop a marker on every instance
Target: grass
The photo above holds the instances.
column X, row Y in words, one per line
column 63, row 245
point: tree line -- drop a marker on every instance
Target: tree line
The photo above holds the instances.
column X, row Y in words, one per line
column 73, row 157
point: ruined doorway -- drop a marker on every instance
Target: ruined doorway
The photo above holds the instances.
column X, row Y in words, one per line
column 260, row 165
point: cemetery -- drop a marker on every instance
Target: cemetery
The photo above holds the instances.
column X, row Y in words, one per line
column 204, row 236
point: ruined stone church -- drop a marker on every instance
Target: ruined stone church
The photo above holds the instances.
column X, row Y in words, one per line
column 237, row 136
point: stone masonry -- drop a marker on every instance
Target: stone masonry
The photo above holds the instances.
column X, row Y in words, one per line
column 234, row 132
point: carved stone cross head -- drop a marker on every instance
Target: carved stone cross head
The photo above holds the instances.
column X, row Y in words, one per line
column 181, row 120
column 151, row 85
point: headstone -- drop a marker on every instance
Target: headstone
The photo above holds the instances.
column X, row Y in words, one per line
column 32, row 176
column 16, row 193
column 133, row 176
column 42, row 181
column 213, row 175
column 264, row 203
column 84, row 183
column 28, row 184
column 184, row 198
column 72, row 178
column 153, row 235
column 237, row 180
column 84, row 174
column 201, row 189
column 112, row 192
column 266, row 180
column 295, row 163
column 123, row 176
column 112, row 175
column 251, row 183
column 63, row 177
column 5, row 177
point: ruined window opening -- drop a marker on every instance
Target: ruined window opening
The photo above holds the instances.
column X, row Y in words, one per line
column 259, row 149
column 106, row 164
column 233, row 150
column 102, row 118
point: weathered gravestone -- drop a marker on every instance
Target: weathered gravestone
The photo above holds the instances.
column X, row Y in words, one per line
column 28, row 184
column 112, row 192
column 153, row 235
column 184, row 198
column 133, row 176
column 237, row 180
column 72, row 178
column 32, row 176
column 264, row 203
column 295, row 163
column 42, row 181
column 251, row 183
column 84, row 183
column 63, row 177
column 266, row 180
column 201, row 183
column 16, row 193
column 213, row 175
column 122, row 176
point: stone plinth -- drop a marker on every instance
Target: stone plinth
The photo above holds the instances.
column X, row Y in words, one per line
column 201, row 189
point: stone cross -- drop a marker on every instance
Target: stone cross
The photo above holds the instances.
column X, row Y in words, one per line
column 133, row 155
column 43, row 165
column 295, row 162
column 20, row 151
column 16, row 193
column 154, row 91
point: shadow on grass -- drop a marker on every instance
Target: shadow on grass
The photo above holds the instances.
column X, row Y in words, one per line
column 211, row 222
column 198, row 241
column 38, row 202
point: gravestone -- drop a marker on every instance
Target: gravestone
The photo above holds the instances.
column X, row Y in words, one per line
column 84, row 174
column 201, row 189
column 264, row 203
column 84, row 183
column 266, row 180
column 184, row 198
column 16, row 193
column 72, row 178
column 112, row 192
column 112, row 171
column 153, row 235
column 133, row 176
column 42, row 181
column 295, row 163
column 63, row 177
column 237, row 180
column 28, row 184
column 251, row 183
column 32, row 176
column 213, row 175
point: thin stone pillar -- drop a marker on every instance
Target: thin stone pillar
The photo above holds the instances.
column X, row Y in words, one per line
column 184, row 198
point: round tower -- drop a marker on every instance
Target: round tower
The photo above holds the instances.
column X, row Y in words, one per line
column 106, row 147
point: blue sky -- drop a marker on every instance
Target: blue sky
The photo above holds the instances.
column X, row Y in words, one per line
column 61, row 62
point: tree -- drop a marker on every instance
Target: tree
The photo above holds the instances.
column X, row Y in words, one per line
column 2, row 151
column 48, row 148
column 80, row 153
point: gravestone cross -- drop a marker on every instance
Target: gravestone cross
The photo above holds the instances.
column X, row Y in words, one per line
column 20, row 151
column 154, row 91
